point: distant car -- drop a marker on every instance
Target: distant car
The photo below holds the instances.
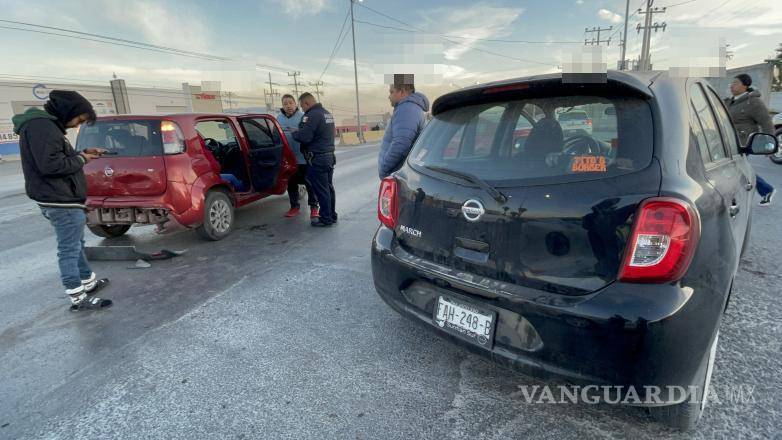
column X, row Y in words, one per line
column 575, row 122
column 187, row 169
column 603, row 263
column 777, row 121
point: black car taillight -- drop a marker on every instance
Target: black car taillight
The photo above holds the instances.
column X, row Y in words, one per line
column 664, row 238
column 387, row 205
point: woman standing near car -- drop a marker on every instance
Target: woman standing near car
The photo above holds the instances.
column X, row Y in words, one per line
column 749, row 112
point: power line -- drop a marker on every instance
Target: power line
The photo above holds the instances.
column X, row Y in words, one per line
column 126, row 43
column 337, row 45
column 487, row 40
column 679, row 4
column 129, row 43
column 419, row 30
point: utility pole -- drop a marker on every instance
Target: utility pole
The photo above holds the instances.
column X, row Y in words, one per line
column 317, row 85
column 647, row 27
column 295, row 82
column 270, row 93
column 359, row 130
column 593, row 42
column 623, row 61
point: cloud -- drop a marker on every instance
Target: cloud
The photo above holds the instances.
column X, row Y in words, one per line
column 464, row 26
column 181, row 28
column 296, row 8
column 579, row 2
column 607, row 15
column 760, row 32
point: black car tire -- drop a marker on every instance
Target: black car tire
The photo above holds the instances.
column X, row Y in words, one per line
column 218, row 216
column 777, row 158
column 108, row 231
column 685, row 415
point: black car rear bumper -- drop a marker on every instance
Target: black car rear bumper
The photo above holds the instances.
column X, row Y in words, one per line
column 622, row 335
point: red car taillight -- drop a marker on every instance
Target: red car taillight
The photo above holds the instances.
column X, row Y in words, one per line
column 387, row 202
column 664, row 238
column 173, row 140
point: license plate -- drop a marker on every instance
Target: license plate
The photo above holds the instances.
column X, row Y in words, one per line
column 465, row 320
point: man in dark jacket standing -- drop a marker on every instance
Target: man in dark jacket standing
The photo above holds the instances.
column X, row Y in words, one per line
column 54, row 179
column 289, row 118
column 750, row 114
column 406, row 123
column 316, row 135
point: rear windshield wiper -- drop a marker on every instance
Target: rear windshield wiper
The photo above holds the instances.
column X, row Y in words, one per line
column 492, row 191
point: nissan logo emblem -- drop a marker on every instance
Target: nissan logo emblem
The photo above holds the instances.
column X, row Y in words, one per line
column 108, row 171
column 473, row 210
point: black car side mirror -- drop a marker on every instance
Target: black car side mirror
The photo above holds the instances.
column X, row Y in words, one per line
column 761, row 144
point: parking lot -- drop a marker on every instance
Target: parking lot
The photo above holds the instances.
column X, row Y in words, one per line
column 277, row 332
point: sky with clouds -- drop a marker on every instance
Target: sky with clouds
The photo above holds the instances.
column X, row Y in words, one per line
column 447, row 44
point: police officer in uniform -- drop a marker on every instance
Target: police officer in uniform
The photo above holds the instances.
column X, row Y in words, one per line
column 316, row 135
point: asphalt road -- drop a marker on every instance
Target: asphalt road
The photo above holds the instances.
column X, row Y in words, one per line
column 277, row 332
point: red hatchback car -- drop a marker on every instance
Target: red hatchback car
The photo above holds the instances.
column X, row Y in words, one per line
column 191, row 170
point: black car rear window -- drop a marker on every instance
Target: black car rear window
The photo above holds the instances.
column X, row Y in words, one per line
column 125, row 138
column 510, row 142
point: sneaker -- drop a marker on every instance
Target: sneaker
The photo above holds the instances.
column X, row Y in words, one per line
column 766, row 200
column 293, row 212
column 92, row 284
column 319, row 223
column 314, row 212
column 91, row 303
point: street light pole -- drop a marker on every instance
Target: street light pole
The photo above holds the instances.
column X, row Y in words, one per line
column 359, row 130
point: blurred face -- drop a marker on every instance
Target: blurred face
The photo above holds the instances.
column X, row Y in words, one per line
column 395, row 95
column 289, row 105
column 736, row 87
column 78, row 120
column 305, row 105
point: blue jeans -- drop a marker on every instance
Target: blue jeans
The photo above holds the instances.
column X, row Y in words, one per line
column 762, row 186
column 69, row 227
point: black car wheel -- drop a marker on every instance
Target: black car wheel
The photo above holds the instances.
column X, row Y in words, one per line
column 685, row 415
column 218, row 217
column 109, row 231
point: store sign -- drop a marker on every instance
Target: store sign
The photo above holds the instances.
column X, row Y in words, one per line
column 208, row 96
column 8, row 137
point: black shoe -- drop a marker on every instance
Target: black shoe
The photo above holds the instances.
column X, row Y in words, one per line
column 91, row 303
column 766, row 200
column 319, row 223
column 335, row 217
column 96, row 286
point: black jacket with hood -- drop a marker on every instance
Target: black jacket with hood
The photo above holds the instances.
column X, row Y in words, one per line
column 52, row 168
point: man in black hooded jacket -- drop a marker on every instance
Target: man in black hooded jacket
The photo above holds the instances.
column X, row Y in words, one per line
column 54, row 179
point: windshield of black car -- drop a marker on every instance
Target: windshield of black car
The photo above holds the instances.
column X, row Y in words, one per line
column 507, row 142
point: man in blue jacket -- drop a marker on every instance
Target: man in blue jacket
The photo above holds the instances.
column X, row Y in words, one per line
column 316, row 134
column 289, row 118
column 406, row 123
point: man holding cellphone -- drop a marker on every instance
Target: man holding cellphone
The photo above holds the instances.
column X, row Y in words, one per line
column 55, row 180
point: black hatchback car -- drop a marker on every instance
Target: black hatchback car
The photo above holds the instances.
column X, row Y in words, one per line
column 602, row 257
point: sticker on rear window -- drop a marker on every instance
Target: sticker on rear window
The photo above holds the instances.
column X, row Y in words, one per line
column 588, row 164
